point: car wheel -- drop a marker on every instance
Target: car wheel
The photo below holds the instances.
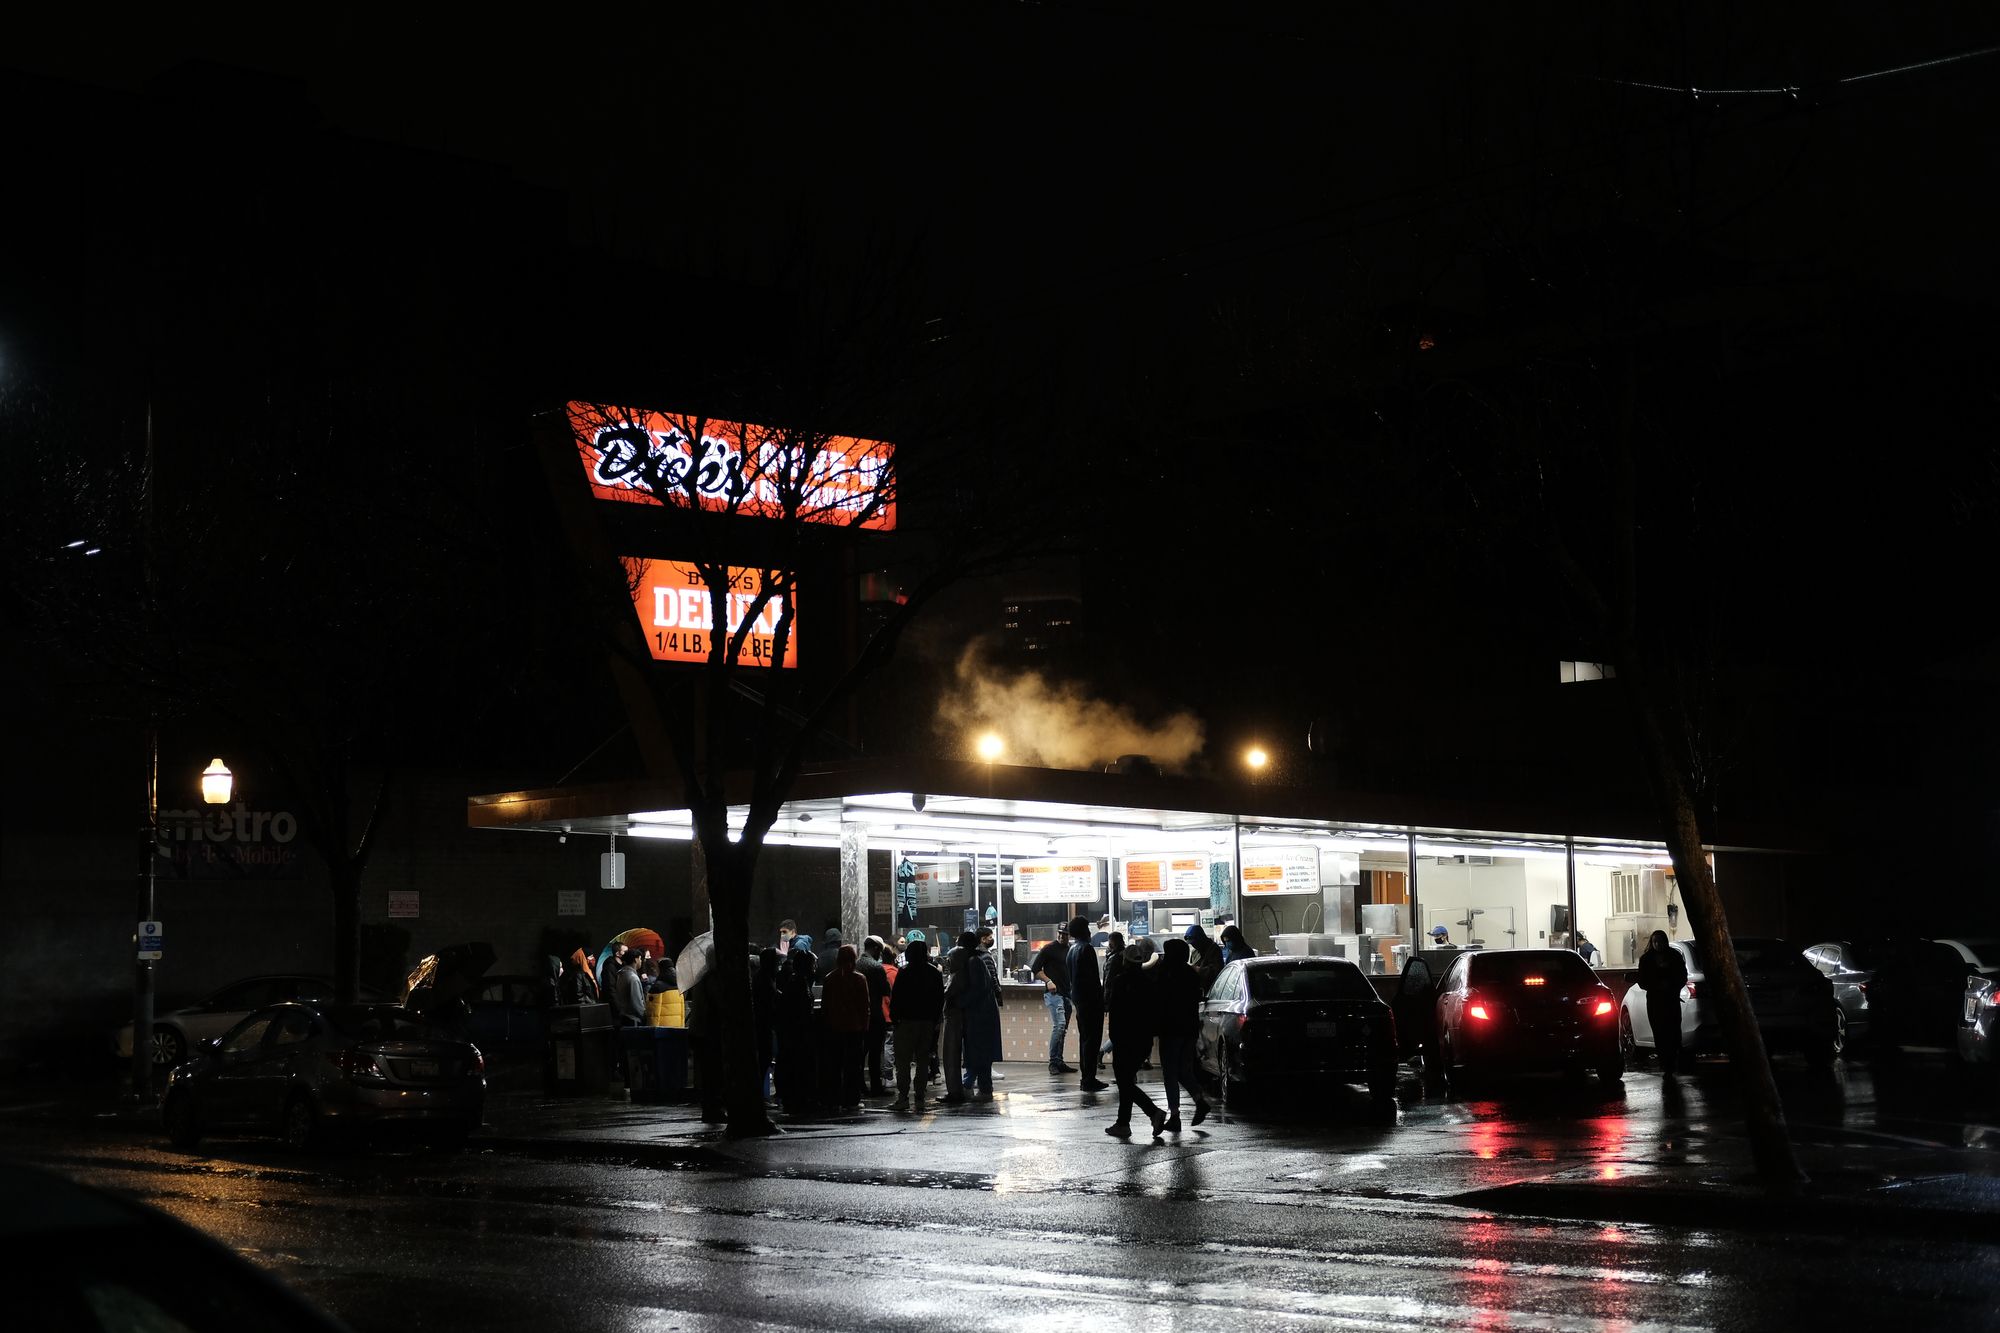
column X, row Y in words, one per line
column 302, row 1127
column 182, row 1120
column 169, row 1047
column 1628, row 1045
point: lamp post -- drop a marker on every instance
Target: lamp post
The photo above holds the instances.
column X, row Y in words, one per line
column 991, row 747
column 216, row 784
column 216, row 781
column 1256, row 759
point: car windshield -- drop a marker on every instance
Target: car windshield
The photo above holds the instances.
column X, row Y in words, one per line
column 379, row 1022
column 1509, row 967
column 1309, row 981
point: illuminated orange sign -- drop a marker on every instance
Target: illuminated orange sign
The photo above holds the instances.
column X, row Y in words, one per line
column 678, row 615
column 736, row 466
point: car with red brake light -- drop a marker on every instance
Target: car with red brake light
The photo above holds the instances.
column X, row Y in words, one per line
column 1517, row 1011
column 310, row 1074
column 1794, row 1004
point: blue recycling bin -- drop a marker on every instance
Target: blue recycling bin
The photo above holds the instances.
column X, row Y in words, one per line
column 655, row 1061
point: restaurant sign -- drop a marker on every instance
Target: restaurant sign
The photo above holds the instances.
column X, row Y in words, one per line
column 682, row 460
column 677, row 614
column 1078, row 879
column 1280, row 870
column 1167, row 875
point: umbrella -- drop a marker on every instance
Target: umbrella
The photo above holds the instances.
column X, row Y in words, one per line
column 695, row 959
column 642, row 937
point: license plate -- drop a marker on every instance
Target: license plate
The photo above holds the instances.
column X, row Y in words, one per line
column 1323, row 1030
column 423, row 1068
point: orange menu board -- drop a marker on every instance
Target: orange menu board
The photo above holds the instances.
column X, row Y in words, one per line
column 1167, row 875
column 678, row 615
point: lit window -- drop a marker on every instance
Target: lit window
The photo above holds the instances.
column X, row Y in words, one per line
column 1572, row 672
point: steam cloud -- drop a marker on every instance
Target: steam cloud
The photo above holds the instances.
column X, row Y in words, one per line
column 1055, row 724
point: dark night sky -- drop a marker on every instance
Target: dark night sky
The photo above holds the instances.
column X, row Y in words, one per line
column 1123, row 191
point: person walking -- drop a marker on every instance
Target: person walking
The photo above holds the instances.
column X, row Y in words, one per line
column 1663, row 975
column 844, row 1004
column 1051, row 968
column 1178, row 994
column 1086, row 998
column 1133, row 1011
column 795, row 1050
column 916, row 1003
column 869, row 965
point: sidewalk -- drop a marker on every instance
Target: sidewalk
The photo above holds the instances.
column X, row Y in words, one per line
column 1042, row 1134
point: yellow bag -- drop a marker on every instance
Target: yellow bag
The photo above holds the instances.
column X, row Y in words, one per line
column 666, row 1010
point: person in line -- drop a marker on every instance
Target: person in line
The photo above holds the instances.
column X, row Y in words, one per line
column 956, row 983
column 796, row 1045
column 1133, row 1010
column 1086, row 998
column 829, row 954
column 1114, row 963
column 549, row 990
column 628, row 994
column 916, row 1003
column 576, row 985
column 704, row 1045
column 1207, row 956
column 609, row 961
column 1100, row 934
column 764, row 1013
column 979, row 1002
column 1177, row 992
column 844, row 1006
column 869, row 964
column 788, row 930
column 1234, row 946
column 1051, row 968
column 1663, row 975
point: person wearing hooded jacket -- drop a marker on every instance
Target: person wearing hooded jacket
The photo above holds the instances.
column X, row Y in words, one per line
column 1177, row 992
column 916, row 1002
column 1134, row 1012
column 797, row 1036
column 1207, row 957
column 844, row 1007
column 1086, row 999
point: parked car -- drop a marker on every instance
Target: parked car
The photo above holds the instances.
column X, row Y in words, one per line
column 178, row 1032
column 308, row 1073
column 1284, row 1021
column 1851, row 969
column 1981, row 954
column 1793, row 1003
column 1979, row 1021
column 1913, row 985
column 1415, row 1007
column 1509, row 1011
column 85, row 1259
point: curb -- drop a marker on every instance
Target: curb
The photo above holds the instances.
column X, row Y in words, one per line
column 1731, row 1208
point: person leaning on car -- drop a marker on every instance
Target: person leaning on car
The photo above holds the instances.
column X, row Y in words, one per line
column 1662, row 975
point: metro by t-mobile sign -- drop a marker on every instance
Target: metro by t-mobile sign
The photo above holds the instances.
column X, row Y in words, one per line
column 678, row 614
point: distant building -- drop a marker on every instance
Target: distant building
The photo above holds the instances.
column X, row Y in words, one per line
column 1041, row 625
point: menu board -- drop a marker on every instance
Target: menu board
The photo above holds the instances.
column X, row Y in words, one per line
column 943, row 884
column 1060, row 879
column 1167, row 875
column 1278, row 870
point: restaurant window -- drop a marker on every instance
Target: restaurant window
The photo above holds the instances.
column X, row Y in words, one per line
column 1492, row 895
column 1625, row 892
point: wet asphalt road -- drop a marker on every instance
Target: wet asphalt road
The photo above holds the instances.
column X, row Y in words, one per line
column 1213, row 1232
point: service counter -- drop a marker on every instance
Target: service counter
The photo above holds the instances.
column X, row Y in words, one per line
column 1024, row 1025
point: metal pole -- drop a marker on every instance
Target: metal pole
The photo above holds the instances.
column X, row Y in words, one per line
column 142, row 977
column 1416, row 908
column 1569, row 864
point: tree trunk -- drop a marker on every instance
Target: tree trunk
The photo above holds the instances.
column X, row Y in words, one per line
column 1763, row 1113
column 729, row 992
column 346, row 929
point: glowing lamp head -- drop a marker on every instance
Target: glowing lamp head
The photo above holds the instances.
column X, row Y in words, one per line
column 1256, row 758
column 216, row 781
column 990, row 746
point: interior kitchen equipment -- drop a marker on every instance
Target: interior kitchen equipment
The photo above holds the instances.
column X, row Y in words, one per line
column 1313, row 945
column 1640, row 900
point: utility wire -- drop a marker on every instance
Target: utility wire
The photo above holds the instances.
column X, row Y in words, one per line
column 1793, row 90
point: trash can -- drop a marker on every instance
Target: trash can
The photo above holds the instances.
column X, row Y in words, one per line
column 577, row 1062
column 655, row 1063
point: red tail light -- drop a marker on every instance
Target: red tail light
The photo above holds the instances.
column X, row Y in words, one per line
column 358, row 1066
column 1603, row 1007
column 1690, row 990
column 478, row 1061
column 1864, row 988
column 1475, row 1005
column 1242, row 1023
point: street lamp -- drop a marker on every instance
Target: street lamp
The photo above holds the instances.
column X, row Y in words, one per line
column 215, row 783
column 1256, row 759
column 991, row 747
